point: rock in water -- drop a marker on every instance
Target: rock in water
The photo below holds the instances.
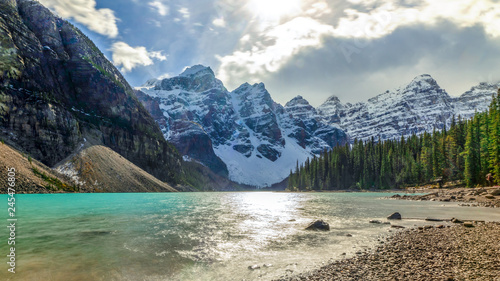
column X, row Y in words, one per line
column 397, row 226
column 254, row 267
column 394, row 216
column 375, row 221
column 318, row 225
column 468, row 224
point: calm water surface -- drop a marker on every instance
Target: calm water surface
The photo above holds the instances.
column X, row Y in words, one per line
column 198, row 236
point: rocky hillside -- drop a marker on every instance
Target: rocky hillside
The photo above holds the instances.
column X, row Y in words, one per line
column 31, row 176
column 243, row 135
column 420, row 106
column 57, row 90
column 100, row 169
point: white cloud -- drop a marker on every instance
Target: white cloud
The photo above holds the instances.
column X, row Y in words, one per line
column 164, row 76
column 129, row 57
column 275, row 48
column 102, row 21
column 184, row 12
column 220, row 22
column 319, row 9
column 388, row 16
column 161, row 8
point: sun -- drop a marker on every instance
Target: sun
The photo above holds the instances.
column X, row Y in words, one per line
column 274, row 10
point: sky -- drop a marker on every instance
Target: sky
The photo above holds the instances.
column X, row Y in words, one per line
column 353, row 49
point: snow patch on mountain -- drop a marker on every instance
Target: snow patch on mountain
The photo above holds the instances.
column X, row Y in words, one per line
column 259, row 171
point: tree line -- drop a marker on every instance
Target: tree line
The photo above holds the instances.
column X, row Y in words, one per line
column 468, row 152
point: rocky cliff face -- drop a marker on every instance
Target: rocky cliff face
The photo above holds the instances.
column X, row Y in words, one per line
column 243, row 134
column 57, row 89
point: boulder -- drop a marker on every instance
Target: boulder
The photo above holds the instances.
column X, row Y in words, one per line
column 254, row 267
column 394, row 216
column 468, row 224
column 495, row 192
column 318, row 225
column 454, row 220
column 375, row 221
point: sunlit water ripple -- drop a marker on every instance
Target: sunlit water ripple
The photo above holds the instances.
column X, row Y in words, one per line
column 199, row 236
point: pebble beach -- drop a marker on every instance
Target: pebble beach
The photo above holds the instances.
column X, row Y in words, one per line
column 462, row 251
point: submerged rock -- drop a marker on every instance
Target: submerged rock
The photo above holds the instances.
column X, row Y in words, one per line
column 375, row 221
column 394, row 216
column 254, row 267
column 318, row 225
column 397, row 226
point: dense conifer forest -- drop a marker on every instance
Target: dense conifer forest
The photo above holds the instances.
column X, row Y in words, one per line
column 468, row 152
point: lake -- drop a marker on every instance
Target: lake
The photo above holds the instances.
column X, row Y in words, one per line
column 199, row 236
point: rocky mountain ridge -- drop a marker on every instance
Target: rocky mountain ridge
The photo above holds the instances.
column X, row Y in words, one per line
column 421, row 106
column 242, row 134
column 251, row 139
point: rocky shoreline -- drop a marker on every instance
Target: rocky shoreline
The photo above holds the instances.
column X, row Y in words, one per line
column 468, row 251
column 469, row 197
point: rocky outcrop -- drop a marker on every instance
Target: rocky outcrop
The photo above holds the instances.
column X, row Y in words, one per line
column 57, row 89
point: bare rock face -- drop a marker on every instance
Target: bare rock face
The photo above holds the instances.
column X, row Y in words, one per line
column 57, row 88
column 304, row 123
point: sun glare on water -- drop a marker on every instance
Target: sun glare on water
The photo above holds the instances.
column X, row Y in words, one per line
column 273, row 10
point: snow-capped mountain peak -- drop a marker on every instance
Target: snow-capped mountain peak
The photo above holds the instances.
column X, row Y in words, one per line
column 197, row 70
column 241, row 134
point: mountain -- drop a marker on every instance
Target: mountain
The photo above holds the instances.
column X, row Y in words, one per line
column 421, row 106
column 246, row 136
column 58, row 93
column 243, row 135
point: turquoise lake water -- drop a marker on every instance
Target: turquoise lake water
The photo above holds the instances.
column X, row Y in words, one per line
column 198, row 236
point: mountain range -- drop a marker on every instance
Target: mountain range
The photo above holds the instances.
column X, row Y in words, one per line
column 79, row 126
column 246, row 136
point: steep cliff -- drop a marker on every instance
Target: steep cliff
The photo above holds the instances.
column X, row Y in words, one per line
column 57, row 90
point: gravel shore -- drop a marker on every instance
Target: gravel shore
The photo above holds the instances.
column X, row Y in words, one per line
column 470, row 197
column 457, row 252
